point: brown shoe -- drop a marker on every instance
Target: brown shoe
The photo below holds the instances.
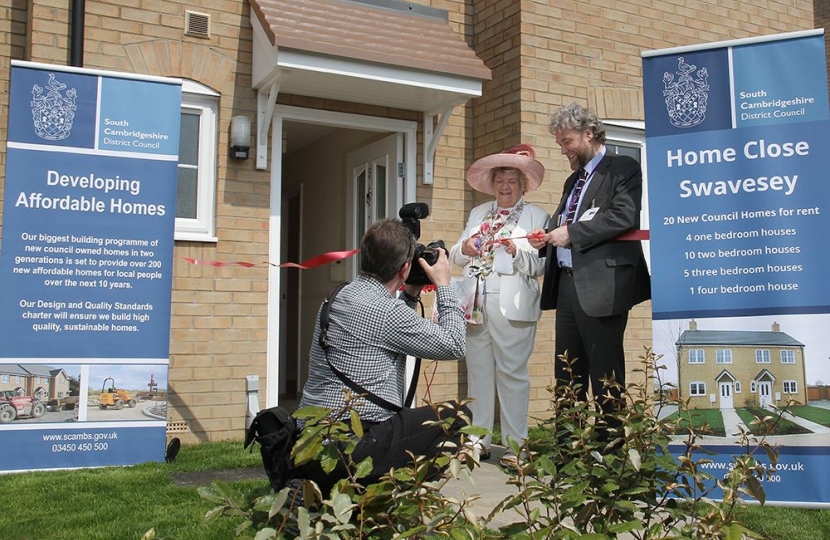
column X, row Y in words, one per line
column 510, row 459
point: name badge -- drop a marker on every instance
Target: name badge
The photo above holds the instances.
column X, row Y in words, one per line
column 589, row 214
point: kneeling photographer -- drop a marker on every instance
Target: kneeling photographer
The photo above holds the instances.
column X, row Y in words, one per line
column 363, row 335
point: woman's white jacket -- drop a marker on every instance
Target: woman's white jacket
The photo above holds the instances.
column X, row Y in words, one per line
column 519, row 289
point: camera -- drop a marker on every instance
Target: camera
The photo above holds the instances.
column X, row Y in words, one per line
column 411, row 214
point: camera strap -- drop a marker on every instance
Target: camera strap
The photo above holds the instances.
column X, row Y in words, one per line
column 355, row 387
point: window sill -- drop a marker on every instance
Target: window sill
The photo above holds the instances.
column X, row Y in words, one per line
column 194, row 237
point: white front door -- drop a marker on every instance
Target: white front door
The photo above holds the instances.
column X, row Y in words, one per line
column 401, row 147
column 725, row 395
column 764, row 394
column 376, row 190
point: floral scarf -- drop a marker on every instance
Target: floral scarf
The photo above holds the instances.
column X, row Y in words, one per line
column 497, row 225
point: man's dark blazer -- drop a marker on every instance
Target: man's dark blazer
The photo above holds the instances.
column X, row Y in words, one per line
column 610, row 276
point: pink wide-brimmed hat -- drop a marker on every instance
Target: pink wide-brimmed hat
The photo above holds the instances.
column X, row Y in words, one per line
column 521, row 156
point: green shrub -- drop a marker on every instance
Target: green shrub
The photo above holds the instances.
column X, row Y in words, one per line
column 405, row 503
column 578, row 479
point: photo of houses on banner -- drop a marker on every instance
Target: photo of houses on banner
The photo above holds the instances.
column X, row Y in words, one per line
column 731, row 371
column 43, row 393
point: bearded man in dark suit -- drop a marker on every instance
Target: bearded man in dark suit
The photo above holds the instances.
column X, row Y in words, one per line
column 592, row 277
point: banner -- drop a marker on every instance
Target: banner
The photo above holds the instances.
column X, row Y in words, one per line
column 738, row 206
column 86, row 267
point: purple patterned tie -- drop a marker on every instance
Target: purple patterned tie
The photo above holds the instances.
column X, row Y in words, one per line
column 580, row 183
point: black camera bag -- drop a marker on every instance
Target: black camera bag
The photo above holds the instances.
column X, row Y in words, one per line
column 276, row 431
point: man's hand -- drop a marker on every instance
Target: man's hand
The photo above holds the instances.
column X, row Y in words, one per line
column 439, row 273
column 559, row 237
column 537, row 239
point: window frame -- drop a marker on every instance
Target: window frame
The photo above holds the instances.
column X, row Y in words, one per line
column 702, row 359
column 791, row 354
column 761, row 357
column 792, row 383
column 723, row 356
column 201, row 100
column 632, row 133
column 699, row 385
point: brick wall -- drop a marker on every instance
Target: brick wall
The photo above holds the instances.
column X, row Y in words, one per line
column 545, row 54
column 219, row 315
column 542, row 54
column 597, row 51
column 821, row 18
column 13, row 17
column 450, row 200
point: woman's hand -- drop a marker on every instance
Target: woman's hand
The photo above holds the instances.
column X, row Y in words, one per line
column 470, row 247
column 509, row 246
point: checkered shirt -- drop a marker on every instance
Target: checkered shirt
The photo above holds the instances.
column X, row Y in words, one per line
column 370, row 333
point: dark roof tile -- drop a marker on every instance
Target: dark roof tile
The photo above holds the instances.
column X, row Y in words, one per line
column 737, row 337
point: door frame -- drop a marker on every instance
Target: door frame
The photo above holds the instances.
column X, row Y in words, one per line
column 731, row 386
column 409, row 130
column 761, row 402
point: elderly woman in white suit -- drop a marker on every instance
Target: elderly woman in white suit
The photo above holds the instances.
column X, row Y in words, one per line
column 501, row 270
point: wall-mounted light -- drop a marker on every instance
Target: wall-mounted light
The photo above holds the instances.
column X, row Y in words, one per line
column 240, row 137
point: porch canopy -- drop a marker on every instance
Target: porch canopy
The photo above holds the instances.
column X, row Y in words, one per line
column 380, row 52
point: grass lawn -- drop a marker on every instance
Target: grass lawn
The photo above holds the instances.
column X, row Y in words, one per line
column 125, row 502
column 122, row 502
column 813, row 414
column 700, row 417
column 788, row 523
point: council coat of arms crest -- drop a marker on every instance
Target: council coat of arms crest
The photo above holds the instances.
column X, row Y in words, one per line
column 53, row 111
column 686, row 97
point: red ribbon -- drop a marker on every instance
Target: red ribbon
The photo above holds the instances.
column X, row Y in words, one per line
column 333, row 256
column 635, row 234
column 313, row 262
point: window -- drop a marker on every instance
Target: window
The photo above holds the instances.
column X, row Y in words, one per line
column 696, row 356
column 196, row 187
column 628, row 138
column 790, row 387
column 737, row 387
column 753, row 387
column 697, row 388
column 723, row 356
column 6, row 378
column 787, row 356
column 625, row 149
column 762, row 356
